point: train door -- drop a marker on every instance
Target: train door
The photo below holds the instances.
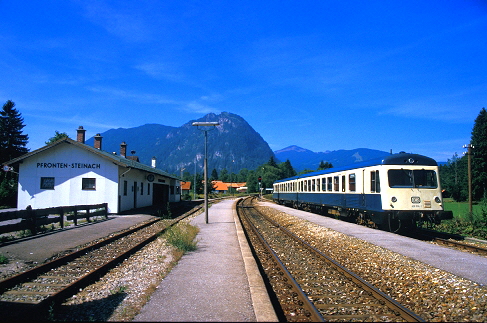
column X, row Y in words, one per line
column 362, row 191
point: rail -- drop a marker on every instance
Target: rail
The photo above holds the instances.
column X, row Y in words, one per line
column 33, row 219
column 335, row 292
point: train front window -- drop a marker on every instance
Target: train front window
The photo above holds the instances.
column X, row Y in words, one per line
column 418, row 178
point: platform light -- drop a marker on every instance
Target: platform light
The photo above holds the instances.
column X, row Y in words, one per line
column 210, row 124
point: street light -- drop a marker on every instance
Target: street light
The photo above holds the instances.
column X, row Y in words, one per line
column 206, row 124
column 469, row 155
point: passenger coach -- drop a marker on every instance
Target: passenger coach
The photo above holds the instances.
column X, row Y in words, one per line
column 395, row 192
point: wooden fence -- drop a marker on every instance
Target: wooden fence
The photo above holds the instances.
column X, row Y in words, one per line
column 32, row 219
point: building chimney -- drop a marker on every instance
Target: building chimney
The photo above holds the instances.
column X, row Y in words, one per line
column 123, row 149
column 153, row 162
column 97, row 138
column 80, row 135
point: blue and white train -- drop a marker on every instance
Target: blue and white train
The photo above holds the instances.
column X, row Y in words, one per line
column 400, row 191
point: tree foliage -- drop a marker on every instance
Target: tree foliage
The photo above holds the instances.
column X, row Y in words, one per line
column 479, row 158
column 12, row 145
column 12, row 142
column 57, row 136
column 324, row 165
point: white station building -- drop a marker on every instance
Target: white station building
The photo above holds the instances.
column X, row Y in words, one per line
column 68, row 172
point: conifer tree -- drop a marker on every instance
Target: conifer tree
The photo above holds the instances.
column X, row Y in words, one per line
column 479, row 158
column 12, row 141
column 12, row 145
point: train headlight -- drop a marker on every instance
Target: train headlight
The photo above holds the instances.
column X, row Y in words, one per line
column 394, row 199
column 437, row 199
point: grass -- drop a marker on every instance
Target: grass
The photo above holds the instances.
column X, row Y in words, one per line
column 182, row 236
column 465, row 223
column 3, row 260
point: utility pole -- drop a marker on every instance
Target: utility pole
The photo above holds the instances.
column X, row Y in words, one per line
column 469, row 155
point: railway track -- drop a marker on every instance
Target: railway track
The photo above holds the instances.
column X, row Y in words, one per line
column 310, row 286
column 30, row 294
column 450, row 240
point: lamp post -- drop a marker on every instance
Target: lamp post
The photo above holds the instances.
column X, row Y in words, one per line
column 206, row 124
column 469, row 155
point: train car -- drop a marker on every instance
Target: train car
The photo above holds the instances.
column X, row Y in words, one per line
column 397, row 192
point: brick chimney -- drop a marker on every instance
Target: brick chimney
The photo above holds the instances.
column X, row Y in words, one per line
column 80, row 137
column 97, row 138
column 123, row 149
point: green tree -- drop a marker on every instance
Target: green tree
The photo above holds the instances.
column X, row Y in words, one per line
column 57, row 136
column 214, row 175
column 272, row 162
column 453, row 176
column 324, row 165
column 479, row 158
column 224, row 176
column 12, row 145
column 12, row 141
column 287, row 169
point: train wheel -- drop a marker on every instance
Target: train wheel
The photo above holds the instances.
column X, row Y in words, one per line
column 393, row 225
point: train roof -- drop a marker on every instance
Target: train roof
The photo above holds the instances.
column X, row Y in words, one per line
column 394, row 159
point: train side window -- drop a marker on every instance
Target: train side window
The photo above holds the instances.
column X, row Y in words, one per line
column 318, row 184
column 336, row 183
column 374, row 182
column 313, row 185
column 351, row 182
column 323, row 184
column 329, row 184
column 343, row 183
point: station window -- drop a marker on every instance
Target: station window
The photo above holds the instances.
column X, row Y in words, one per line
column 47, row 183
column 141, row 188
column 351, row 182
column 148, row 188
column 124, row 188
column 88, row 183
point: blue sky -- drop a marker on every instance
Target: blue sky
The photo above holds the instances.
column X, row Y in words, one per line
column 323, row 75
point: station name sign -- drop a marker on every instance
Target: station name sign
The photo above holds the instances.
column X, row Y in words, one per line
column 68, row 165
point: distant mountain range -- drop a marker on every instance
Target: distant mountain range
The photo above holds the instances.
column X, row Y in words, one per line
column 302, row 158
column 233, row 145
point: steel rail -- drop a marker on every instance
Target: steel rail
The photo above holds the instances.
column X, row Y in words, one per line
column 404, row 312
column 69, row 289
column 304, row 306
column 457, row 244
column 383, row 298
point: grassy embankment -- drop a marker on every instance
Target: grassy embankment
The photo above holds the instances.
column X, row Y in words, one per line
column 465, row 223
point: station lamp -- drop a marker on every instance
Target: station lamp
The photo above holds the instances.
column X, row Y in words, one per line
column 208, row 126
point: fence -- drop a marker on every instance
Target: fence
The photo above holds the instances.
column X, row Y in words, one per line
column 32, row 219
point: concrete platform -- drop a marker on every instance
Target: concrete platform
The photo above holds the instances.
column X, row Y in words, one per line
column 218, row 282
column 40, row 247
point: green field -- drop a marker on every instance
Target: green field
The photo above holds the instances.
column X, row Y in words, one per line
column 463, row 223
column 460, row 209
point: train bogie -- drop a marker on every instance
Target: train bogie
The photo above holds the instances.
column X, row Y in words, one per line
column 398, row 191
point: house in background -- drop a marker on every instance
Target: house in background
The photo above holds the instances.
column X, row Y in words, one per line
column 221, row 187
column 69, row 172
column 185, row 188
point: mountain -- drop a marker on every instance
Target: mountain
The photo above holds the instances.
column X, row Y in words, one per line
column 301, row 158
column 233, row 145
